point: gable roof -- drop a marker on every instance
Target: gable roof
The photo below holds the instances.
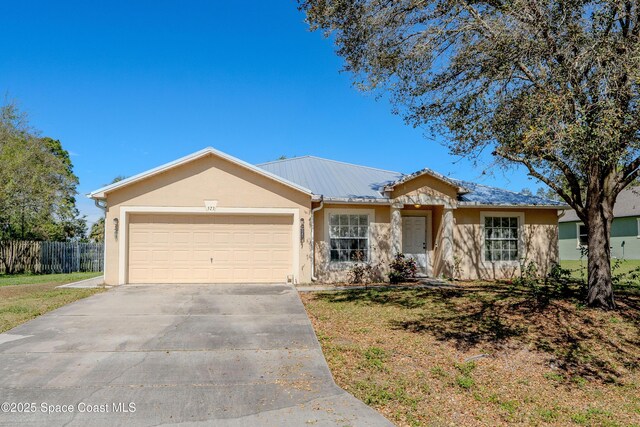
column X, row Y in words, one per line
column 348, row 182
column 340, row 181
column 627, row 204
column 429, row 172
column 334, row 179
column 101, row 192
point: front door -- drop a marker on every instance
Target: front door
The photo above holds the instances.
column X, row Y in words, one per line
column 414, row 243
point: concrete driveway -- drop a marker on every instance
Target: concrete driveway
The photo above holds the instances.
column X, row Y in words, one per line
column 172, row 354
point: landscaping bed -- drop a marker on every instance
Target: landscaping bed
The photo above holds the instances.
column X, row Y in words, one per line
column 484, row 354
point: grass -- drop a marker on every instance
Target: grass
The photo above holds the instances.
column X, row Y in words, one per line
column 32, row 279
column 25, row 301
column 485, row 354
column 578, row 269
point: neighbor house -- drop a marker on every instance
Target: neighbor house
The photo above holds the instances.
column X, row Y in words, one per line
column 212, row 218
column 625, row 229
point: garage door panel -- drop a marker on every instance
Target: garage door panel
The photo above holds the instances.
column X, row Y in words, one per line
column 160, row 256
column 241, row 257
column 140, row 236
column 261, row 256
column 183, row 238
column 157, row 275
column 222, row 275
column 222, row 236
column 184, row 255
column 139, row 256
column 241, row 274
column 202, row 237
column 279, row 257
column 280, row 238
column 159, row 237
column 200, row 255
column 221, row 257
column 209, row 248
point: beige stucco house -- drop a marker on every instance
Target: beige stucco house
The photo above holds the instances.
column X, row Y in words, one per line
column 212, row 218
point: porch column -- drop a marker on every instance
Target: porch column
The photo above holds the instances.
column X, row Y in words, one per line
column 447, row 243
column 396, row 228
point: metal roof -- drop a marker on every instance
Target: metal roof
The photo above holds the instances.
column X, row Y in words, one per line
column 345, row 181
column 333, row 179
column 627, row 204
column 484, row 195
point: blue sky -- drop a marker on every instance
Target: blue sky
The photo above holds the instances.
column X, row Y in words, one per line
column 129, row 85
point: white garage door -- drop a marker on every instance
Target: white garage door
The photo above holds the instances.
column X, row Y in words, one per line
column 209, row 248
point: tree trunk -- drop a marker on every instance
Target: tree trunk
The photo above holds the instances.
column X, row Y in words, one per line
column 600, row 293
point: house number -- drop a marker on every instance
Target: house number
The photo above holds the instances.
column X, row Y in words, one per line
column 210, row 205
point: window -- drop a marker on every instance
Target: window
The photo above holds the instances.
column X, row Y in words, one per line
column 349, row 237
column 500, row 238
column 583, row 235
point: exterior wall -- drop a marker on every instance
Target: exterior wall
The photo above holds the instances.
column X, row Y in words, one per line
column 189, row 185
column 379, row 243
column 425, row 190
column 624, row 239
column 539, row 243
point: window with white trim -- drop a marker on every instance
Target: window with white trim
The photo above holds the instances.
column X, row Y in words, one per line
column 501, row 240
column 349, row 237
column 583, row 235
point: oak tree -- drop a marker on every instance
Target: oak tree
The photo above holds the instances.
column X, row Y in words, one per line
column 548, row 84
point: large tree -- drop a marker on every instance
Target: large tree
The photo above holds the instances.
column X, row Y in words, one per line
column 37, row 184
column 551, row 85
column 96, row 234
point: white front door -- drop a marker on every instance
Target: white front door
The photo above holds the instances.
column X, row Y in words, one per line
column 414, row 240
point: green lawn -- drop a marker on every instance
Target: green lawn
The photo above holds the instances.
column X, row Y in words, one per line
column 24, row 297
column 579, row 269
column 32, row 279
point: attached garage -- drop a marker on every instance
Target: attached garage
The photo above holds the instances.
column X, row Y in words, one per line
column 210, row 248
column 205, row 218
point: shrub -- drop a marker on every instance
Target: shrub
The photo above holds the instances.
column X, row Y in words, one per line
column 360, row 271
column 559, row 278
column 402, row 268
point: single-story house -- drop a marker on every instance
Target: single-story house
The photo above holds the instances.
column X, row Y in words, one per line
column 212, row 218
column 625, row 229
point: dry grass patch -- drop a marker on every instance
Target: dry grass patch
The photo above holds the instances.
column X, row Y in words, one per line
column 486, row 354
column 20, row 303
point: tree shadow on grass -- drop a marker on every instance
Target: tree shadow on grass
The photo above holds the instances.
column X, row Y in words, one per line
column 496, row 317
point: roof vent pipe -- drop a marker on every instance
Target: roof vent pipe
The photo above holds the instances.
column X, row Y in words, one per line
column 313, row 242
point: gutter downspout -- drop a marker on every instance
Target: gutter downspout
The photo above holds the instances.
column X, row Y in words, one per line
column 561, row 213
column 103, row 208
column 313, row 242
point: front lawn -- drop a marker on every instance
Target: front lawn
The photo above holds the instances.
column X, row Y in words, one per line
column 486, row 354
column 20, row 303
column 620, row 268
column 57, row 279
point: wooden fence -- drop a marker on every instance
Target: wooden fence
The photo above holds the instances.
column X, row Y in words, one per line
column 50, row 257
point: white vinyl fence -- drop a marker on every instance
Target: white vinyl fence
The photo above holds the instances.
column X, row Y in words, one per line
column 50, row 257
